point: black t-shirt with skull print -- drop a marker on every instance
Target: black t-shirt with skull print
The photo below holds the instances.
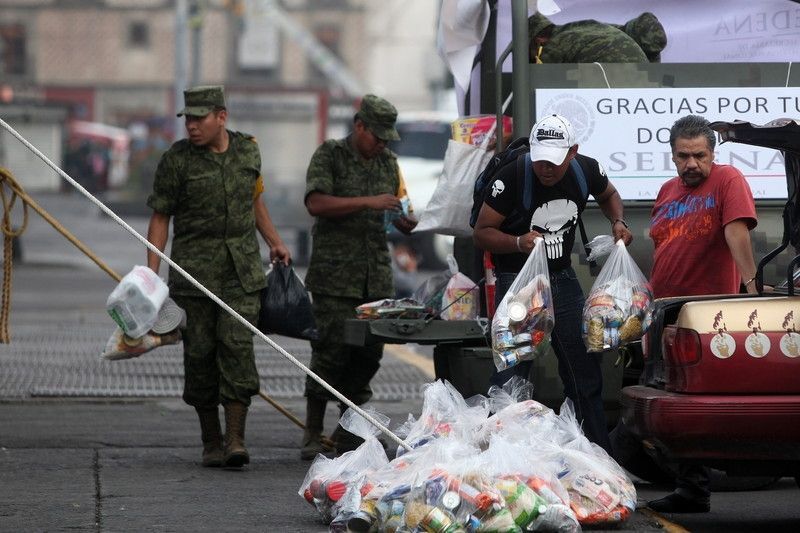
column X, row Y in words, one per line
column 553, row 213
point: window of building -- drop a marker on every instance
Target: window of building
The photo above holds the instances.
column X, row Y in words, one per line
column 139, row 34
column 12, row 49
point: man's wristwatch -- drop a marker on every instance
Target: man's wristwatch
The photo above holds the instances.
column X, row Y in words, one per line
column 619, row 220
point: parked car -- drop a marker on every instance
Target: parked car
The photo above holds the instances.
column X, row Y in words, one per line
column 721, row 378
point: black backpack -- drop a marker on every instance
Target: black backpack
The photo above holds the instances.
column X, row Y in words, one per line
column 519, row 147
column 486, row 177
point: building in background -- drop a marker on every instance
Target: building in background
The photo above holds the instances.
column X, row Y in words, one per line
column 291, row 68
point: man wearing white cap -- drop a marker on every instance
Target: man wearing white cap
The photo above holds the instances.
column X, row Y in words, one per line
column 507, row 227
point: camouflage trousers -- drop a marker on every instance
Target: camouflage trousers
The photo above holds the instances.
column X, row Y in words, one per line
column 218, row 358
column 348, row 369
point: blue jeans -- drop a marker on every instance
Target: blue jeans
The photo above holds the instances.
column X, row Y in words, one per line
column 580, row 372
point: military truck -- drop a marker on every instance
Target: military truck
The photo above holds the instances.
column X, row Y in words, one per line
column 623, row 111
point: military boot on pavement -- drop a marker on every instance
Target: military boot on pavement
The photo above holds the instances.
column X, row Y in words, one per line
column 312, row 444
column 235, row 454
column 211, row 435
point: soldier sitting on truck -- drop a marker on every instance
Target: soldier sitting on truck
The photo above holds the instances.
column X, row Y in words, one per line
column 639, row 40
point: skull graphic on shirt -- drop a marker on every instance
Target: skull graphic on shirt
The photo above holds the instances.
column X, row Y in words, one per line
column 553, row 219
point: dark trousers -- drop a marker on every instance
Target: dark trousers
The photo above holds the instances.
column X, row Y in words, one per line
column 693, row 482
column 580, row 372
column 348, row 369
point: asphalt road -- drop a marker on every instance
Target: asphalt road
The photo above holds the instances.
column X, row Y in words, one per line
column 91, row 445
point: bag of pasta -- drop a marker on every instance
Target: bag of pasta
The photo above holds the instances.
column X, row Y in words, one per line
column 617, row 308
column 522, row 324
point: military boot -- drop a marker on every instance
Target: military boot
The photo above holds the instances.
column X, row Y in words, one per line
column 211, row 436
column 235, row 454
column 312, row 444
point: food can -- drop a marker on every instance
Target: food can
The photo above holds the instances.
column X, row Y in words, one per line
column 451, row 500
column 436, row 521
column 522, row 338
column 503, row 339
column 509, row 357
column 524, row 352
column 517, row 312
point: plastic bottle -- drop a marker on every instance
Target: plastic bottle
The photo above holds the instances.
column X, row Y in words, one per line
column 136, row 300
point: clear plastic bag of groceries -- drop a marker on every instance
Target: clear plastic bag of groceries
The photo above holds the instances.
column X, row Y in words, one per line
column 617, row 308
column 599, row 490
column 533, row 495
column 460, row 298
column 454, row 495
column 334, row 485
column 444, row 413
column 524, row 319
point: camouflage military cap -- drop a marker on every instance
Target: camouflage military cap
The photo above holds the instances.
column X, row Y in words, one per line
column 379, row 116
column 537, row 23
column 202, row 100
column 649, row 34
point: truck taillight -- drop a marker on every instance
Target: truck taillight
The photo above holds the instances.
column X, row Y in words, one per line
column 680, row 346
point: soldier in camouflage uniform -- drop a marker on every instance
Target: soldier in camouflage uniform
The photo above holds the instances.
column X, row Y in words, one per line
column 211, row 184
column 585, row 41
column 350, row 184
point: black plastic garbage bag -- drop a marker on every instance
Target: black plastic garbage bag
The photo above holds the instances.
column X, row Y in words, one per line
column 286, row 305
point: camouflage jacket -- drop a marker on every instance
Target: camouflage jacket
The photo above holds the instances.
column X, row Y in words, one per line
column 210, row 197
column 587, row 41
column 349, row 257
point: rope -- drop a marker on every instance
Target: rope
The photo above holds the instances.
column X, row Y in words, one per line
column 7, row 180
column 204, row 290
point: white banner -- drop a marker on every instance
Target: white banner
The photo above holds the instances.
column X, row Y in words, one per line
column 711, row 31
column 627, row 130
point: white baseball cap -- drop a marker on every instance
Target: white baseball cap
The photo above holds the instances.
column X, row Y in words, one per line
column 551, row 138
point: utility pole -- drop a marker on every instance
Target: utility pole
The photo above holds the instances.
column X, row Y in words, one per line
column 181, row 51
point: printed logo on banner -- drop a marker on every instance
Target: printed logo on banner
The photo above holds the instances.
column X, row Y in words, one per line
column 576, row 110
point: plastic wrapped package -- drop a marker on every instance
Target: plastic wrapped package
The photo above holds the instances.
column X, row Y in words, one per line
column 333, row 486
column 390, row 308
column 120, row 346
column 524, row 320
column 460, row 297
column 617, row 309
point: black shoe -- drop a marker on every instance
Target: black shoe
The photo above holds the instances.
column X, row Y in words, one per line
column 675, row 503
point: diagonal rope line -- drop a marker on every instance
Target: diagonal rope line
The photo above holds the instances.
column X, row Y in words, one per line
column 386, row 431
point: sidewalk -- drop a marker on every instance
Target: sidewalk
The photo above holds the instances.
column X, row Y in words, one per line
column 99, row 446
column 133, row 465
column 94, row 445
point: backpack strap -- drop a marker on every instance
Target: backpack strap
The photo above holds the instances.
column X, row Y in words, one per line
column 527, row 183
column 580, row 177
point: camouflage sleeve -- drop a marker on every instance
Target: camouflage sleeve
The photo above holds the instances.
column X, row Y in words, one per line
column 166, row 186
column 319, row 176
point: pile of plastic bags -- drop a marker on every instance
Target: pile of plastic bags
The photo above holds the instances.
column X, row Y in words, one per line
column 617, row 310
column 522, row 468
column 522, row 324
